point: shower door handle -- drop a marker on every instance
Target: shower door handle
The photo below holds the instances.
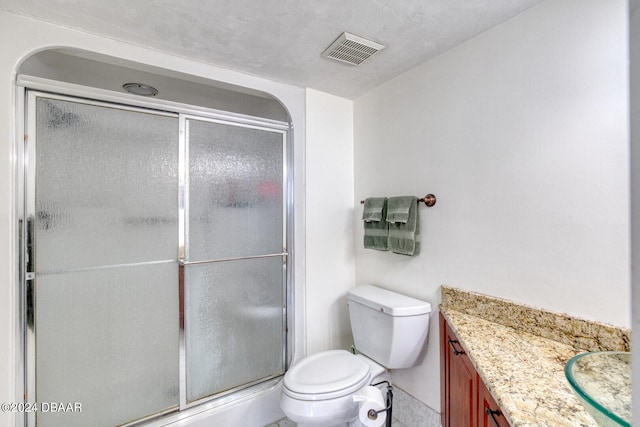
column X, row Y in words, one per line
column 181, row 294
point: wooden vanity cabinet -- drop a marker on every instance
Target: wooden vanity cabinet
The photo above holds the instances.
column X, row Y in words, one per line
column 464, row 397
column 458, row 381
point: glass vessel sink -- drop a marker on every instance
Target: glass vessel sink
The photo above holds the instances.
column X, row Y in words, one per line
column 602, row 381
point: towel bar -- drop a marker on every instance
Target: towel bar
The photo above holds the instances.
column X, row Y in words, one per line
column 428, row 200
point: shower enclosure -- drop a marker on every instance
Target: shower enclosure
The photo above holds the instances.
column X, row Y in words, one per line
column 154, row 258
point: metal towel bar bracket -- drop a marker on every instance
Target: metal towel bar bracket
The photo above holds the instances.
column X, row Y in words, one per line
column 428, row 200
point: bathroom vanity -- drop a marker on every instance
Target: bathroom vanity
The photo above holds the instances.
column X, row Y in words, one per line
column 510, row 358
column 466, row 400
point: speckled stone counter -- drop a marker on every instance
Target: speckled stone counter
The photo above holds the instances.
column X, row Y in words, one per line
column 523, row 368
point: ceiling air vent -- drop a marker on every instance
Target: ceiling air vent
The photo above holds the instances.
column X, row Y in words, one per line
column 352, row 49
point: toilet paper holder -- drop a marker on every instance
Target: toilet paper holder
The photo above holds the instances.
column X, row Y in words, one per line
column 373, row 414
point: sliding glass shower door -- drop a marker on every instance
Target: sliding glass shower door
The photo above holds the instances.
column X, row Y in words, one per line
column 155, row 268
column 235, row 257
column 105, row 239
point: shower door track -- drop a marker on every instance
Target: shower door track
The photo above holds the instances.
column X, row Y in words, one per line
column 31, row 87
column 88, row 94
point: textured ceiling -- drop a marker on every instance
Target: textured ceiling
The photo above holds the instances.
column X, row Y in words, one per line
column 283, row 40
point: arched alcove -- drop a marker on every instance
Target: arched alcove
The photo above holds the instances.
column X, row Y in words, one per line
column 109, row 73
column 230, row 139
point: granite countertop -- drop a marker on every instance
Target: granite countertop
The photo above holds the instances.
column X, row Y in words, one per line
column 523, row 372
column 520, row 354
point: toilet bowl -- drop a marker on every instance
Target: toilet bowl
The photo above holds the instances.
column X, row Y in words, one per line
column 321, row 389
column 332, row 388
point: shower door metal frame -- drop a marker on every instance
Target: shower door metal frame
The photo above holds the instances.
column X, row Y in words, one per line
column 27, row 90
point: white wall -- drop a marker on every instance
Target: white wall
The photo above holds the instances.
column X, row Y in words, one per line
column 19, row 37
column 522, row 134
column 634, row 50
column 329, row 206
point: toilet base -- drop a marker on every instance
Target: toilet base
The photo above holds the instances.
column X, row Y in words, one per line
column 335, row 412
column 355, row 423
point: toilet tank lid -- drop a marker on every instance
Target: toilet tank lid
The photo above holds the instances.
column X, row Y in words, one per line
column 389, row 302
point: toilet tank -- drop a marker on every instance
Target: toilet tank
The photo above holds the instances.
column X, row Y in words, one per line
column 388, row 327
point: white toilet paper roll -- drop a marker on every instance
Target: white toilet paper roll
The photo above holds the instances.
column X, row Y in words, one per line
column 370, row 399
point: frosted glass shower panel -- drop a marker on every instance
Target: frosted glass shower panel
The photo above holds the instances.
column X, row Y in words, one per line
column 235, row 191
column 107, row 185
column 105, row 222
column 107, row 339
column 234, row 324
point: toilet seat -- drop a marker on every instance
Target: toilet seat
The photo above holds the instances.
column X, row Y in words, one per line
column 327, row 375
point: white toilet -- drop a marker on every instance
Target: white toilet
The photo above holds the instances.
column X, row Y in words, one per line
column 330, row 388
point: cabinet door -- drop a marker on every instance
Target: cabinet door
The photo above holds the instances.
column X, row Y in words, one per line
column 459, row 382
column 489, row 414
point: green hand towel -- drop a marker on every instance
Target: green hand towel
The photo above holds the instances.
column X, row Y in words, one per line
column 373, row 209
column 404, row 237
column 398, row 208
column 376, row 233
